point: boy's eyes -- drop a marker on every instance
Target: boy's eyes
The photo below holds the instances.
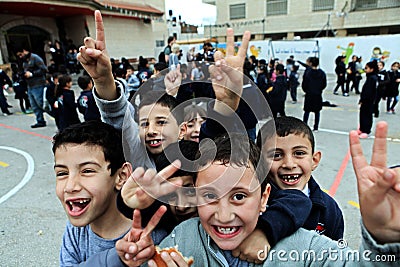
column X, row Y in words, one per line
column 209, row 196
column 190, row 191
column 297, row 153
column 61, row 173
column 239, row 196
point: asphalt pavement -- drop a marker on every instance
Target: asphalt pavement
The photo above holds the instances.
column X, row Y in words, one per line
column 33, row 220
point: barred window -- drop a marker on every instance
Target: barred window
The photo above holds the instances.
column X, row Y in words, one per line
column 237, row 11
column 373, row 4
column 276, row 7
column 319, row 5
column 159, row 43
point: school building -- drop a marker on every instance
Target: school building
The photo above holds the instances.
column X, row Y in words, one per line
column 293, row 19
column 132, row 27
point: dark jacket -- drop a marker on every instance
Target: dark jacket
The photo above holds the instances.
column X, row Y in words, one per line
column 277, row 96
column 340, row 71
column 314, row 82
column 67, row 112
column 325, row 217
column 368, row 93
column 36, row 66
column 392, row 88
column 87, row 106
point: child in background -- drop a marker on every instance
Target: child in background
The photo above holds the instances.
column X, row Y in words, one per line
column 65, row 104
column 294, row 82
column 277, row 96
column 90, row 169
column 392, row 91
column 293, row 161
column 194, row 117
column 367, row 98
column 86, row 104
column 21, row 89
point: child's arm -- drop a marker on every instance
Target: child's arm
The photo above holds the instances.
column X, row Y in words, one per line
column 378, row 188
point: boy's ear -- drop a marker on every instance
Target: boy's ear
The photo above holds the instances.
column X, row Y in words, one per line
column 123, row 174
column 182, row 130
column 316, row 159
column 264, row 197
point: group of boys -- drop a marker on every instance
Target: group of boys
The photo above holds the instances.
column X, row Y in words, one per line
column 221, row 202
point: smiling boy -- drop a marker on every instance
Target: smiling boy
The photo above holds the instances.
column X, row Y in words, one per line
column 90, row 170
column 292, row 162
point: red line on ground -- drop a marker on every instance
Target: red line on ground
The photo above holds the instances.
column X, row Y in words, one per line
column 25, row 131
column 339, row 175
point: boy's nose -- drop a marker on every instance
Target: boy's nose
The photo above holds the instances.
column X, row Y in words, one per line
column 224, row 214
column 289, row 162
column 72, row 184
column 152, row 129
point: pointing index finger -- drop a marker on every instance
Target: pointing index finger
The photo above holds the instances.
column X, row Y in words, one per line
column 100, row 36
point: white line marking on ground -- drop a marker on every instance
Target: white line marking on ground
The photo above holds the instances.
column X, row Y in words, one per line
column 28, row 175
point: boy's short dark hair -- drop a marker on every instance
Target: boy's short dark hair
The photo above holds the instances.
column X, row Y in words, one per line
column 314, row 61
column 160, row 66
column 94, row 133
column 235, row 149
column 185, row 151
column 83, row 81
column 284, row 126
column 165, row 100
column 280, row 68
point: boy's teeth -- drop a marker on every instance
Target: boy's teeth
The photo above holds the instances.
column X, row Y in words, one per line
column 226, row 230
column 290, row 178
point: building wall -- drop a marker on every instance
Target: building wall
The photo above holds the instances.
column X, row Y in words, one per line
column 301, row 20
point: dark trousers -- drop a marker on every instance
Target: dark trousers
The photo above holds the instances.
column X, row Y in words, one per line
column 316, row 118
column 366, row 119
column 341, row 85
column 3, row 102
column 389, row 104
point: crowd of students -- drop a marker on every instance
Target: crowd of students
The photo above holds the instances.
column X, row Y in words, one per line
column 143, row 178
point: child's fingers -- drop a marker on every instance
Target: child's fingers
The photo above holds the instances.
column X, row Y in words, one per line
column 155, row 219
column 100, row 36
column 168, row 171
column 244, row 45
column 89, row 42
column 356, row 152
column 230, row 42
column 379, row 151
column 136, row 221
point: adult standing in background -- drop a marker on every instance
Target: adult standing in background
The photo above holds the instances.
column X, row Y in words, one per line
column 35, row 76
column 340, row 71
column 168, row 49
column 47, row 51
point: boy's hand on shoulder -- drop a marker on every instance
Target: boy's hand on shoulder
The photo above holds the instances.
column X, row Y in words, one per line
column 227, row 73
column 378, row 188
column 137, row 246
column 95, row 60
column 173, row 80
column 249, row 249
column 143, row 187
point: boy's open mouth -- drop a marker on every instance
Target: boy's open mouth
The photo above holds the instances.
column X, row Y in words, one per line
column 77, row 207
column 226, row 232
column 154, row 142
column 290, row 179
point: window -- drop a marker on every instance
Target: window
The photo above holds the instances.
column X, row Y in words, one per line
column 276, row 7
column 319, row 5
column 374, row 4
column 159, row 43
column 237, row 11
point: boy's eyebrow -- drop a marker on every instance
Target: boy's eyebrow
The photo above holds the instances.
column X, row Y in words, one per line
column 80, row 164
column 158, row 117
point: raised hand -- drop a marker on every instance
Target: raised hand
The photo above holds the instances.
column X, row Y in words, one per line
column 227, row 73
column 173, row 80
column 95, row 60
column 143, row 187
column 137, row 246
column 378, row 187
column 249, row 249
